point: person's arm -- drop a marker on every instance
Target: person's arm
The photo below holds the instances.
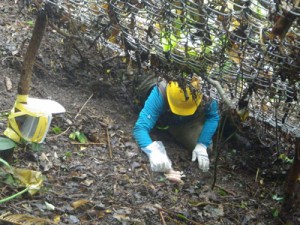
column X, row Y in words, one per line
column 211, row 123
column 153, row 108
column 209, row 128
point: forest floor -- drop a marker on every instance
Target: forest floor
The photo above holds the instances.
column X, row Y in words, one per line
column 108, row 180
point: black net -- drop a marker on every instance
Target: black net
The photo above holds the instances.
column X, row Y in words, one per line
column 251, row 47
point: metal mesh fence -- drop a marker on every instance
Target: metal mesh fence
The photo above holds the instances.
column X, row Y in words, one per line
column 251, row 47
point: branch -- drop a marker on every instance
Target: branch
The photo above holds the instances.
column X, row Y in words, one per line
column 221, row 91
column 177, row 215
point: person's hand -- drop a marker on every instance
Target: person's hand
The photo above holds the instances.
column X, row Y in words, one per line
column 200, row 153
column 159, row 161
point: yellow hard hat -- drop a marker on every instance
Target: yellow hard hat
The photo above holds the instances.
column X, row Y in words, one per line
column 181, row 104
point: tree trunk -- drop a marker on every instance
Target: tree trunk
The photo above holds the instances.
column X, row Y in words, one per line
column 29, row 59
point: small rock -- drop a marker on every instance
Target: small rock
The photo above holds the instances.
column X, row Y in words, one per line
column 73, row 219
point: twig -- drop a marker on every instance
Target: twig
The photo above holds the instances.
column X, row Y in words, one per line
column 99, row 120
column 257, row 173
column 204, row 204
column 162, row 218
column 108, row 143
column 99, row 35
column 58, row 30
column 147, row 171
column 217, row 149
column 89, row 143
column 228, row 191
column 110, row 58
column 74, row 118
column 221, row 91
column 55, row 136
column 83, row 106
column 83, row 59
column 41, row 67
column 174, row 214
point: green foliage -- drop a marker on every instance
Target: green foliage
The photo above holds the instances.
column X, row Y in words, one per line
column 176, row 191
column 68, row 154
column 36, row 146
column 181, row 216
column 4, row 115
column 80, row 136
column 275, row 212
column 285, row 158
column 5, row 163
column 9, row 180
column 222, row 192
column 244, row 205
column 6, row 143
column 14, row 196
column 30, row 23
column 277, row 198
column 56, row 130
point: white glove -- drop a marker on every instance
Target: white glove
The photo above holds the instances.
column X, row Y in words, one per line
column 201, row 155
column 159, row 161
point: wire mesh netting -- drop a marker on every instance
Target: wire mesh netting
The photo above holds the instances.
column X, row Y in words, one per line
column 251, row 47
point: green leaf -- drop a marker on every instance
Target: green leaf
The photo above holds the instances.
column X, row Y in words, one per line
column 275, row 212
column 285, row 158
column 243, row 205
column 30, row 23
column 222, row 192
column 277, row 198
column 6, row 143
column 81, row 137
column 181, row 216
column 10, row 180
column 36, row 146
column 68, row 154
column 72, row 136
column 5, row 163
column 56, row 130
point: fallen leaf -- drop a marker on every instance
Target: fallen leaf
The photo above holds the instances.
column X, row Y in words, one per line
column 214, row 212
column 44, row 157
column 88, row 182
column 29, row 178
column 56, row 219
column 8, row 83
column 79, row 203
column 49, row 206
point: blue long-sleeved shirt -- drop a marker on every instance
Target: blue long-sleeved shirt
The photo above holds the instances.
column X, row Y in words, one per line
column 155, row 106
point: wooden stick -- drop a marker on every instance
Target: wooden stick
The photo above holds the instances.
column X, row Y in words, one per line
column 83, row 106
column 162, row 218
column 221, row 91
column 55, row 136
column 108, row 143
column 29, row 59
column 145, row 167
column 174, row 214
column 228, row 191
column 89, row 143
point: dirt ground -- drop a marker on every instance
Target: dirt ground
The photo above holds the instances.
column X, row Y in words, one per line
column 109, row 178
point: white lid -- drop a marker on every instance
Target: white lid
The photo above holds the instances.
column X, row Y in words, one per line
column 44, row 105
